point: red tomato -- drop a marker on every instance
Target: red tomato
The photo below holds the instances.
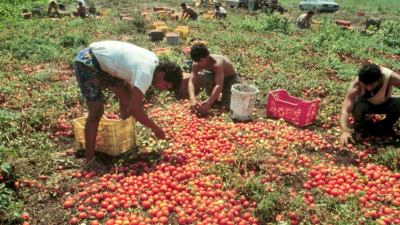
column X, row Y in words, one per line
column 74, row 220
column 25, row 216
column 100, row 215
column 68, row 204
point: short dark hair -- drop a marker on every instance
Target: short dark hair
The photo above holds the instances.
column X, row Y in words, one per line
column 199, row 51
column 217, row 6
column 183, row 4
column 173, row 72
column 369, row 73
column 310, row 13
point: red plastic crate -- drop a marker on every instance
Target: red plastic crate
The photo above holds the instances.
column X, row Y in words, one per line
column 345, row 23
column 360, row 13
column 294, row 110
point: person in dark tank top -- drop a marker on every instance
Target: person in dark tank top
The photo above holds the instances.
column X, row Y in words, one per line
column 370, row 93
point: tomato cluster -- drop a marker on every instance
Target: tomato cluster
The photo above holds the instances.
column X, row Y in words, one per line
column 165, row 193
column 177, row 191
column 63, row 128
column 376, row 185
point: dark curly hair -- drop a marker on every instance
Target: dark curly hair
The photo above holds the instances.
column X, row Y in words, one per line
column 173, row 72
column 183, row 5
column 199, row 51
column 369, row 73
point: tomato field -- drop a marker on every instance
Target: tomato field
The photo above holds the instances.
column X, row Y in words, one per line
column 209, row 170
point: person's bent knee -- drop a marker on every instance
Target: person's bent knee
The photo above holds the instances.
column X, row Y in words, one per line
column 360, row 106
column 395, row 104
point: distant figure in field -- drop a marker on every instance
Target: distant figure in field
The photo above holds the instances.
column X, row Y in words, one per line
column 220, row 12
column 81, row 9
column 371, row 93
column 188, row 12
column 53, row 5
column 37, row 11
column 376, row 22
column 304, row 21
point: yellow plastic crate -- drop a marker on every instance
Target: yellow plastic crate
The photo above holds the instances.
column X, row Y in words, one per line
column 164, row 29
column 146, row 14
column 157, row 24
column 183, row 31
column 199, row 42
column 161, row 51
column 104, row 12
column 162, row 14
column 114, row 137
column 207, row 16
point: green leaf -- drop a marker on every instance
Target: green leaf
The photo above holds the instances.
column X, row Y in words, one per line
column 5, row 167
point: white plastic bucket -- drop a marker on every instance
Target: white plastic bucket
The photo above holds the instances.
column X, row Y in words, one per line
column 242, row 101
column 173, row 38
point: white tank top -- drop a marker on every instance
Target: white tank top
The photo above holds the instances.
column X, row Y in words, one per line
column 384, row 92
column 129, row 62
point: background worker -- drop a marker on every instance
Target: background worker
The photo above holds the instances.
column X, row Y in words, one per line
column 220, row 12
column 305, row 20
column 53, row 5
column 371, row 92
column 81, row 9
column 188, row 12
column 215, row 74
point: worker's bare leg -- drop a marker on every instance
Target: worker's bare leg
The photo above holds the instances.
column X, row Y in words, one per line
column 96, row 110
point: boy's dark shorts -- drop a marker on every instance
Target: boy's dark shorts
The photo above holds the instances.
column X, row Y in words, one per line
column 206, row 81
column 91, row 79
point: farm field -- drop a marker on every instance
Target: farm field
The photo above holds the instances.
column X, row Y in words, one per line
column 209, row 170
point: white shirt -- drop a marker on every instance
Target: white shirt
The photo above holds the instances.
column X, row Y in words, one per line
column 303, row 21
column 221, row 10
column 127, row 61
column 81, row 1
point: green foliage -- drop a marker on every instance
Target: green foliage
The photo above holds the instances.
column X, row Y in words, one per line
column 136, row 25
column 12, row 213
column 10, row 11
column 225, row 172
column 34, row 48
column 10, row 128
column 5, row 196
column 5, row 168
column 17, row 133
column 268, row 206
column 388, row 157
column 9, row 207
column 72, row 41
column 297, row 204
column 266, row 23
column 391, row 34
column 347, row 212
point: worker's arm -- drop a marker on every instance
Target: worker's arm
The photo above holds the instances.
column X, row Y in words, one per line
column 137, row 111
column 184, row 15
column 395, row 79
column 347, row 107
column 219, row 83
column 192, row 88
